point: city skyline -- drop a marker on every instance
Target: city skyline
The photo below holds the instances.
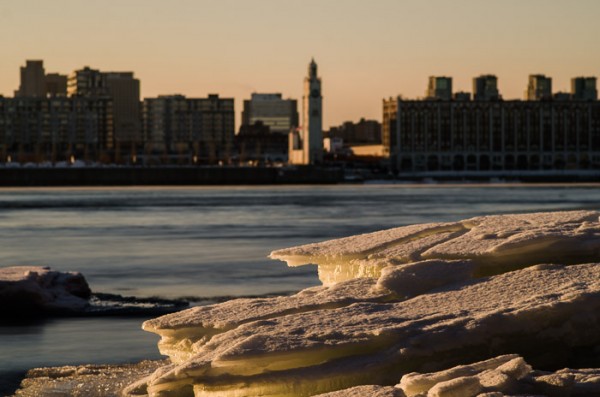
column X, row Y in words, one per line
column 365, row 52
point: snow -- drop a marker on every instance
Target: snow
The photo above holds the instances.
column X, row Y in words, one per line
column 184, row 333
column 507, row 375
column 367, row 391
column 530, row 310
column 495, row 243
column 84, row 380
column 28, row 289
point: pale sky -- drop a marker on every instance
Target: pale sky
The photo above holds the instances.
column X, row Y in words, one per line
column 366, row 50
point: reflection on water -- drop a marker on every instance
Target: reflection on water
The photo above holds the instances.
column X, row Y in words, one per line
column 174, row 242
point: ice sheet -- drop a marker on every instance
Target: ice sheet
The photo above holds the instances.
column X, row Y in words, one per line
column 28, row 289
column 496, row 243
column 526, row 311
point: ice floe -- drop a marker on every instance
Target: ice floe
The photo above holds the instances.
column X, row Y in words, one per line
column 27, row 289
column 507, row 375
column 28, row 292
column 496, row 243
column 541, row 312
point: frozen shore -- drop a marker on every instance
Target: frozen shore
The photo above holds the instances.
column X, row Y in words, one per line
column 488, row 306
column 34, row 292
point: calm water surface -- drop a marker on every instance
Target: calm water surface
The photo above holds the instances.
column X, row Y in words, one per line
column 205, row 242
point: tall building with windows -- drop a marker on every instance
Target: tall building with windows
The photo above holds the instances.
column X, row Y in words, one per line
column 539, row 88
column 485, row 88
column 469, row 135
column 306, row 143
column 584, row 88
column 280, row 115
column 33, row 82
column 440, row 88
column 87, row 82
column 124, row 91
column 53, row 129
column 190, row 128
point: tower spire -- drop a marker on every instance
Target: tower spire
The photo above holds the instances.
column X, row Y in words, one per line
column 312, row 68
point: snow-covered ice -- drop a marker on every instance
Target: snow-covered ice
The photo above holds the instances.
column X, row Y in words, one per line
column 501, row 376
column 531, row 310
column 25, row 289
column 83, row 380
column 184, row 333
column 495, row 243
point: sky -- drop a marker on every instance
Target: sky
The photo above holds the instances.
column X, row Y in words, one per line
column 366, row 50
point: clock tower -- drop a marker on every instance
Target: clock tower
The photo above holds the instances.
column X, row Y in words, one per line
column 312, row 117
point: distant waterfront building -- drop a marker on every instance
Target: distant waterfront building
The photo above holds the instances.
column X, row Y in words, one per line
column 87, row 82
column 124, row 91
column 280, row 115
column 306, row 143
column 485, row 88
column 200, row 129
column 54, row 129
column 33, row 82
column 461, row 96
column 440, row 88
column 256, row 143
column 562, row 96
column 426, row 135
column 363, row 132
column 333, row 144
column 56, row 84
column 539, row 88
column 584, row 88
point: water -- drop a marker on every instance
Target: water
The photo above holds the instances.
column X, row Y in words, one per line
column 206, row 242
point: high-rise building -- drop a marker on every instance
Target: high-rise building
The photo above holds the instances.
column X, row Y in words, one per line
column 584, row 88
column 56, row 85
column 87, row 82
column 280, row 115
column 54, row 129
column 33, row 82
column 439, row 87
column 485, row 88
column 363, row 132
column 539, row 88
column 306, row 144
column 123, row 89
column 200, row 128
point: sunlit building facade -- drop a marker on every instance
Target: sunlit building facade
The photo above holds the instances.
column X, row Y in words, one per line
column 539, row 88
column 439, row 88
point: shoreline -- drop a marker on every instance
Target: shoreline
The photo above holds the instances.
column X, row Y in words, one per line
column 165, row 176
column 198, row 176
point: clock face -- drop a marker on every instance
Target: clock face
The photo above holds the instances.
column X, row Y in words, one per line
column 314, row 93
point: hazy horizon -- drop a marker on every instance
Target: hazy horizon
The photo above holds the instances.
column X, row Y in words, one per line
column 365, row 52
